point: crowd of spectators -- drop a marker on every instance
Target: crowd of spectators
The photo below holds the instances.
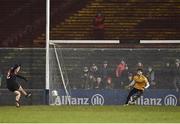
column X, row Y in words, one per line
column 106, row 77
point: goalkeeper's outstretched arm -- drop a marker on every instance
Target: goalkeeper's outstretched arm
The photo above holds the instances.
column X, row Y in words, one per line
column 147, row 85
column 131, row 84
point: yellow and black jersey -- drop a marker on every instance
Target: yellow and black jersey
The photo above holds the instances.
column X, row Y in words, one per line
column 140, row 82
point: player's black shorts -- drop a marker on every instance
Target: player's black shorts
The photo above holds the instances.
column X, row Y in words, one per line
column 12, row 85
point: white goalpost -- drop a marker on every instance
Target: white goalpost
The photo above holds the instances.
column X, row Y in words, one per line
column 47, row 42
column 49, row 70
column 47, row 49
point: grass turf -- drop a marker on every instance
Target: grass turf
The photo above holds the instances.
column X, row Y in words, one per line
column 98, row 114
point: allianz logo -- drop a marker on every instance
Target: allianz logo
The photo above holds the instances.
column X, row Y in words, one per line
column 169, row 100
column 96, row 99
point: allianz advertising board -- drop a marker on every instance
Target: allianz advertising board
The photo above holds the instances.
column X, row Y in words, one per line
column 114, row 97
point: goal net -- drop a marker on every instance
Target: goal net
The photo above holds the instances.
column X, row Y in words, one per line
column 80, row 69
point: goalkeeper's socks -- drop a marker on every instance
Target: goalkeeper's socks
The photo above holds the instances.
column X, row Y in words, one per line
column 28, row 95
column 132, row 102
column 17, row 104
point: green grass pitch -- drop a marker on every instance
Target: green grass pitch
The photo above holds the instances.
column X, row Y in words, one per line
column 97, row 114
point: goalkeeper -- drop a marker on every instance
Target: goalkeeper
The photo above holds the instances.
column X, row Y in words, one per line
column 13, row 85
column 139, row 83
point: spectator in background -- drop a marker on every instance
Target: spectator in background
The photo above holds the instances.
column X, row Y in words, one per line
column 98, row 26
column 99, row 83
column 125, row 77
column 109, row 84
column 92, row 81
column 94, row 74
column 105, row 74
column 177, row 60
column 121, row 73
column 130, row 77
column 176, row 76
column 94, row 70
column 140, row 65
column 165, row 77
column 151, row 77
column 85, row 78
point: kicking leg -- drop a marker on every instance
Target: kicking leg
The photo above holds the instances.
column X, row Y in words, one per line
column 24, row 92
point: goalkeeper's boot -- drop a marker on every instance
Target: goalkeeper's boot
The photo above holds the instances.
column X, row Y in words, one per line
column 131, row 103
column 126, row 104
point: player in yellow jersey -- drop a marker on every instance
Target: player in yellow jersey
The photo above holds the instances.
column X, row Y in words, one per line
column 139, row 84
